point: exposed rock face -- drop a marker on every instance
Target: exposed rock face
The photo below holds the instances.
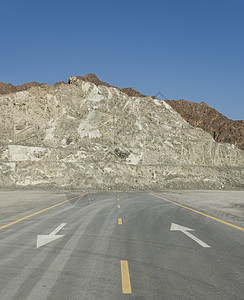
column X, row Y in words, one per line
column 94, row 79
column 79, row 135
column 131, row 92
column 200, row 115
column 220, row 127
column 6, row 88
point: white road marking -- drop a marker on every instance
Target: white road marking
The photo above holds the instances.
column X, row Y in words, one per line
column 45, row 239
column 176, row 227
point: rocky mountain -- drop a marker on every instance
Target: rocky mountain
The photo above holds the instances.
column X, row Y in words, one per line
column 81, row 135
column 220, row 127
column 7, row 88
column 200, row 115
column 94, row 79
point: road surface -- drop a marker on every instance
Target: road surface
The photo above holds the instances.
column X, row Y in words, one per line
column 120, row 246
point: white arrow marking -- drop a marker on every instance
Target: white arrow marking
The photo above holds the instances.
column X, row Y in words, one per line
column 176, row 227
column 45, row 239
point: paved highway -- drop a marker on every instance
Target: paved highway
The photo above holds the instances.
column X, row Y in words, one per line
column 120, row 246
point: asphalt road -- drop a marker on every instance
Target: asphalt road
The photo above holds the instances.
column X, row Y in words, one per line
column 120, row 249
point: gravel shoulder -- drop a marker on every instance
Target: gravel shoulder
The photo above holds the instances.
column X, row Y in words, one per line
column 226, row 205
column 19, row 201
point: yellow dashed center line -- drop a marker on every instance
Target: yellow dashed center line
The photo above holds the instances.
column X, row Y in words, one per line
column 125, row 277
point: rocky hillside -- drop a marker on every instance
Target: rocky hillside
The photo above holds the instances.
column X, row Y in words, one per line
column 7, row 88
column 81, row 135
column 220, row 127
column 201, row 115
column 94, row 79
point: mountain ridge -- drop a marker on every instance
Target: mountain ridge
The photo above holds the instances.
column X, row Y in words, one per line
column 200, row 115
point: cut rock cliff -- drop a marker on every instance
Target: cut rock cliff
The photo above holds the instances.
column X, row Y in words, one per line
column 81, row 135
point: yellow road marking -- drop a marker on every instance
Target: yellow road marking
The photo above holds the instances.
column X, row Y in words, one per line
column 125, row 277
column 38, row 212
column 120, row 221
column 200, row 213
column 118, row 206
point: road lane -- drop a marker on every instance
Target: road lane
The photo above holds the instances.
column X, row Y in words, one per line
column 22, row 273
column 86, row 262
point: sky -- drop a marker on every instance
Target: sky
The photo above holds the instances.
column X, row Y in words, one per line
column 192, row 50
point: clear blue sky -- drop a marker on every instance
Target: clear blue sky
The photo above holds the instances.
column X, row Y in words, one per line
column 186, row 49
